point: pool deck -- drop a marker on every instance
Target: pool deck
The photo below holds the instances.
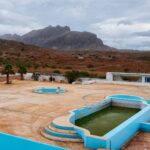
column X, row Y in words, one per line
column 23, row 112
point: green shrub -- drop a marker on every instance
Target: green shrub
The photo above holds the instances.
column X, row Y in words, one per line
column 84, row 74
column 35, row 76
column 57, row 71
column 71, row 76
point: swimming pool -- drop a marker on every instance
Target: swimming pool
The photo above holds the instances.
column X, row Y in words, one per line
column 109, row 124
column 103, row 121
column 49, row 90
column 101, row 126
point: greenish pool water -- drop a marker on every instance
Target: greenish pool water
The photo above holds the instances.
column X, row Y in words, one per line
column 105, row 120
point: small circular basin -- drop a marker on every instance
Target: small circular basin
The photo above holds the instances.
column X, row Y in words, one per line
column 49, row 90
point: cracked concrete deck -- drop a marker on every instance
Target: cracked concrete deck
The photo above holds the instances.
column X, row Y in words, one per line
column 23, row 112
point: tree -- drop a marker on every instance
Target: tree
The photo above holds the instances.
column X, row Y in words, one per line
column 22, row 70
column 8, row 69
column 35, row 76
column 71, row 76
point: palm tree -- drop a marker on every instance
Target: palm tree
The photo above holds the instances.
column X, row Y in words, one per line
column 22, row 70
column 8, row 69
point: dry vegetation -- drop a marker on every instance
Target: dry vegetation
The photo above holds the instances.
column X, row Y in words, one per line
column 98, row 62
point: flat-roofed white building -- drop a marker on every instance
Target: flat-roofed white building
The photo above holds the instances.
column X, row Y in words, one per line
column 120, row 76
column 46, row 77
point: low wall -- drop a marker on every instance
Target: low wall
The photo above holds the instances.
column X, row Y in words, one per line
column 124, row 132
column 80, row 113
column 127, row 104
column 145, row 127
column 3, row 78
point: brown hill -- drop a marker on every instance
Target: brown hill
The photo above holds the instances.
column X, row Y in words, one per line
column 46, row 60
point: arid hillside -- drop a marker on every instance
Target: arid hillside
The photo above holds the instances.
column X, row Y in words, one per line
column 47, row 60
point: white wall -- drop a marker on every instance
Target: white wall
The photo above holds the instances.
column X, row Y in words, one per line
column 58, row 78
column 109, row 76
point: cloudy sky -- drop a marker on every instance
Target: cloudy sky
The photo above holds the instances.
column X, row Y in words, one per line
column 119, row 23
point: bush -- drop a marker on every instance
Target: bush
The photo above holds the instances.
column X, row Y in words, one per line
column 68, row 67
column 45, row 65
column 126, row 70
column 71, row 76
column 35, row 76
column 102, row 76
column 36, row 66
column 54, row 67
column 28, row 65
column 22, row 49
column 90, row 66
column 84, row 74
column 57, row 71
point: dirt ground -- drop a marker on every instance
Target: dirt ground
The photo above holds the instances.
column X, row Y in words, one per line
column 23, row 112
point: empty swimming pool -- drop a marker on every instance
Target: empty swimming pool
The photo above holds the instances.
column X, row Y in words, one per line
column 103, row 121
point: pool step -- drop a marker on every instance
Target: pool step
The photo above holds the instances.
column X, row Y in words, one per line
column 58, row 134
column 63, row 122
column 51, row 127
column 57, row 138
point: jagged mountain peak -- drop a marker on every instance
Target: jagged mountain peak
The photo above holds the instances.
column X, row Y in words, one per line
column 59, row 37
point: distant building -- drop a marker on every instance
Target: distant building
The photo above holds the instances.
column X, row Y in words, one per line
column 120, row 76
column 80, row 57
column 47, row 77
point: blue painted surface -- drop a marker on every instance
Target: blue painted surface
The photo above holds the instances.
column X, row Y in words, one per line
column 49, row 90
column 145, row 127
column 120, row 135
column 62, row 127
column 10, row 142
column 125, row 131
column 63, row 135
column 148, row 101
column 126, row 97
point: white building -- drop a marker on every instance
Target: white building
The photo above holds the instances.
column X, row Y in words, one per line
column 57, row 77
column 118, row 76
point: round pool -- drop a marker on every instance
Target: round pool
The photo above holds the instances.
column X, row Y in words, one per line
column 49, row 90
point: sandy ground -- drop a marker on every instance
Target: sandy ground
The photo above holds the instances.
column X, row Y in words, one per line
column 23, row 112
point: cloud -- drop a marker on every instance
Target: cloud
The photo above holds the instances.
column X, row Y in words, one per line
column 142, row 34
column 122, row 24
column 122, row 32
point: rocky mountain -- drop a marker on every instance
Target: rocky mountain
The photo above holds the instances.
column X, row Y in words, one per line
column 13, row 37
column 60, row 38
